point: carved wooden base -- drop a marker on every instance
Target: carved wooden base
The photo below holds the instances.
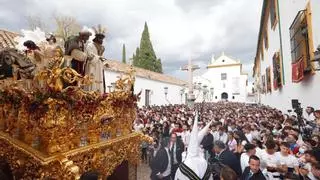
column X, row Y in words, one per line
column 28, row 163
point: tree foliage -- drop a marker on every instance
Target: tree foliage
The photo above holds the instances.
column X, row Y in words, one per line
column 66, row 26
column 145, row 56
column 35, row 21
column 124, row 58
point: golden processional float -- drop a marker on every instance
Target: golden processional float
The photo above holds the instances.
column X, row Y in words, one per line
column 54, row 129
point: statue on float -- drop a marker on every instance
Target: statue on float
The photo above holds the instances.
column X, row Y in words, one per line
column 75, row 51
column 33, row 53
column 14, row 64
column 195, row 165
column 53, row 53
column 94, row 67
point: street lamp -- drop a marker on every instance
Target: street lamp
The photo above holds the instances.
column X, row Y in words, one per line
column 113, row 86
column 181, row 93
column 166, row 91
column 211, row 92
column 109, row 87
column 205, row 91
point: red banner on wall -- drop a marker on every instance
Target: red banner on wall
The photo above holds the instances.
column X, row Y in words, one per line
column 298, row 70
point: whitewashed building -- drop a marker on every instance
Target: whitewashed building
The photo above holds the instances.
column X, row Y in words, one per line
column 223, row 80
column 156, row 88
column 288, row 39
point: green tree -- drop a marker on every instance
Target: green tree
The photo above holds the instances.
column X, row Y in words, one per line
column 135, row 58
column 124, row 54
column 145, row 56
column 159, row 66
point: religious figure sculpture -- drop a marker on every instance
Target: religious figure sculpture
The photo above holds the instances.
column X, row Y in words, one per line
column 94, row 67
column 14, row 63
column 33, row 52
column 53, row 54
column 75, row 51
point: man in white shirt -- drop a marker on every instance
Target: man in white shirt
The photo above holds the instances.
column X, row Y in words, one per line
column 309, row 114
column 185, row 136
column 138, row 126
column 270, row 161
column 248, row 134
column 289, row 163
column 220, row 135
column 244, row 159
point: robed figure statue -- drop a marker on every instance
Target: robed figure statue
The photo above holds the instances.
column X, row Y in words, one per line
column 75, row 51
column 94, row 67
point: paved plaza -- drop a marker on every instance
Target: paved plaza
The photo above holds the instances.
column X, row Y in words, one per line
column 143, row 172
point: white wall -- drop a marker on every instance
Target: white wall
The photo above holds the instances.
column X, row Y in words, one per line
column 214, row 74
column 306, row 92
column 157, row 96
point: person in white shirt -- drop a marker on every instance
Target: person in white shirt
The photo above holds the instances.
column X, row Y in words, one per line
column 255, row 133
column 289, row 163
column 232, row 127
column 270, row 161
column 185, row 136
column 138, row 126
column 250, row 150
column 220, row 135
column 248, row 134
column 309, row 114
column 306, row 166
column 258, row 145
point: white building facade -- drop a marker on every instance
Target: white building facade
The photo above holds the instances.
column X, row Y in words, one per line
column 223, row 80
column 288, row 39
column 156, row 88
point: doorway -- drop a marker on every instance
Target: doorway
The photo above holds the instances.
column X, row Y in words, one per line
column 147, row 97
column 224, row 96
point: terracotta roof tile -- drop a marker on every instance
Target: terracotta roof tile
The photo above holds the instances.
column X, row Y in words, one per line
column 7, row 38
column 118, row 66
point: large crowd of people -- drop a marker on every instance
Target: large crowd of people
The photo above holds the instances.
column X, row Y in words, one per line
column 243, row 142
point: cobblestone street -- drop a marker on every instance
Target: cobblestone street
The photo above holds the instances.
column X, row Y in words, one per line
column 143, row 172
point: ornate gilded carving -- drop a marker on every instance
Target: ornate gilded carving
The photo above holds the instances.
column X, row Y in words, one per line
column 63, row 131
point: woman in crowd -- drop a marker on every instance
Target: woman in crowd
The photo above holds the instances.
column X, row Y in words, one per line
column 232, row 143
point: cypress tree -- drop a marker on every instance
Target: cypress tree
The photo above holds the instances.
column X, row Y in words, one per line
column 145, row 55
column 135, row 58
column 124, row 54
column 159, row 66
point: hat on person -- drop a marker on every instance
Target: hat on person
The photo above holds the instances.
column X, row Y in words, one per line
column 85, row 31
column 99, row 31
